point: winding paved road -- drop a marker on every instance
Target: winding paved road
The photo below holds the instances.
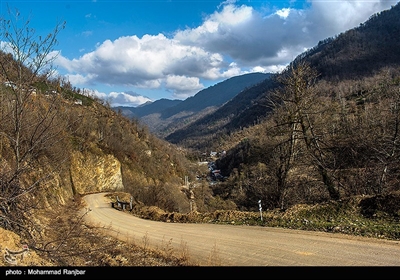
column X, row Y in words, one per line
column 229, row 245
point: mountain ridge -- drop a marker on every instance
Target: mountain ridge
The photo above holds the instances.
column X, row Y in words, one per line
column 147, row 108
column 165, row 116
column 374, row 43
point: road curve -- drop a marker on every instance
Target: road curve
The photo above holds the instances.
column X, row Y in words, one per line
column 233, row 245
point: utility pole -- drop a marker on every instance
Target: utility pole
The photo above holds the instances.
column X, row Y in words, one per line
column 191, row 194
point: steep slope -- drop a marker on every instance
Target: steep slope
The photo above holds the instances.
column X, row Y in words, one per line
column 62, row 149
column 361, row 51
column 216, row 95
column 353, row 54
column 242, row 110
column 165, row 116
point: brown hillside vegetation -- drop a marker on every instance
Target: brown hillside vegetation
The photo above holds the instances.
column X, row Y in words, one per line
column 327, row 141
column 57, row 143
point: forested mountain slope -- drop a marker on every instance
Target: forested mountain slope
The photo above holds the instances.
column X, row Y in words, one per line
column 216, row 95
column 332, row 128
column 361, row 51
column 163, row 117
column 354, row 54
column 205, row 133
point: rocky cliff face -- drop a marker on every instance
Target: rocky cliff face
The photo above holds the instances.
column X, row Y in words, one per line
column 95, row 173
column 86, row 173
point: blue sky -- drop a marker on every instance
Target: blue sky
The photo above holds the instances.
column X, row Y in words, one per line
column 129, row 52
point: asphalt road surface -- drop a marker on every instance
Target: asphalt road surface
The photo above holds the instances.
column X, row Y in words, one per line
column 233, row 245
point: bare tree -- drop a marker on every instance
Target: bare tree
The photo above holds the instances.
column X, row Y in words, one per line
column 387, row 135
column 30, row 125
column 297, row 112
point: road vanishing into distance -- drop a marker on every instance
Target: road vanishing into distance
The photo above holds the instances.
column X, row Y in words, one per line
column 237, row 245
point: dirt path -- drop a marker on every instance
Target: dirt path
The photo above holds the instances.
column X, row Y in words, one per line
column 228, row 245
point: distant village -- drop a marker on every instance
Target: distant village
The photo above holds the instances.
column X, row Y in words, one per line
column 33, row 91
column 215, row 174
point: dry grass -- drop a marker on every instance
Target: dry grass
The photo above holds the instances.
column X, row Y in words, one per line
column 214, row 259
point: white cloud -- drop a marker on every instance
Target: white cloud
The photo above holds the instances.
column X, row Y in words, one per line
column 284, row 13
column 328, row 18
column 130, row 99
column 127, row 99
column 101, row 95
column 182, row 86
column 234, row 40
column 245, row 35
column 78, row 79
column 147, row 62
column 255, row 39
